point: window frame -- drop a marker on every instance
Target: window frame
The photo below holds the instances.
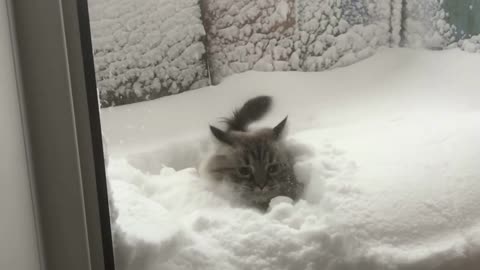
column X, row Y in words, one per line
column 55, row 70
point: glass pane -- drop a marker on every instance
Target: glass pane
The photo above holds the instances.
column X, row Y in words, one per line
column 289, row 134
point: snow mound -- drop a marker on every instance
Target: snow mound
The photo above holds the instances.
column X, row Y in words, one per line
column 386, row 194
column 389, row 158
column 471, row 44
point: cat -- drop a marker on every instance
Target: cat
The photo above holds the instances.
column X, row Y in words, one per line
column 254, row 163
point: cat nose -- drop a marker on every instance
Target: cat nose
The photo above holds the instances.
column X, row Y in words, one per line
column 260, row 181
column 261, row 186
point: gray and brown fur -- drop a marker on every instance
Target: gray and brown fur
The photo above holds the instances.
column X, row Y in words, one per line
column 255, row 163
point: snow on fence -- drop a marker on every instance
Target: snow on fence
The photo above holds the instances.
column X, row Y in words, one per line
column 301, row 35
column 244, row 35
column 145, row 49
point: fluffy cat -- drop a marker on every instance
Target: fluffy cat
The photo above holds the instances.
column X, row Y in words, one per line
column 254, row 163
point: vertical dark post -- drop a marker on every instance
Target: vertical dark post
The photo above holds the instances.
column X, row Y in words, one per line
column 403, row 23
column 206, row 25
column 96, row 132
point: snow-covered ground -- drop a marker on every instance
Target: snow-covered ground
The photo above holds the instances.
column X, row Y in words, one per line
column 388, row 148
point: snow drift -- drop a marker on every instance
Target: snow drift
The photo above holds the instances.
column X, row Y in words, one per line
column 387, row 148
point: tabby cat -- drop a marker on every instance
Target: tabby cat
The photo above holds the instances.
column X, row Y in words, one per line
column 255, row 163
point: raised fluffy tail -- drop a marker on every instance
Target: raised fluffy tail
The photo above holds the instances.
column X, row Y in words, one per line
column 254, row 109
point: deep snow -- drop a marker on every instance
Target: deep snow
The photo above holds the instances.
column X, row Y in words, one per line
column 387, row 147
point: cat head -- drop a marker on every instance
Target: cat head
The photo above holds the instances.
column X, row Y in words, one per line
column 256, row 162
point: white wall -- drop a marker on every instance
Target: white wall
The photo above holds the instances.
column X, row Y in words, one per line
column 18, row 239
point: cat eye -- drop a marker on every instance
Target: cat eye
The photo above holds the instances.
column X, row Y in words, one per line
column 273, row 168
column 245, row 171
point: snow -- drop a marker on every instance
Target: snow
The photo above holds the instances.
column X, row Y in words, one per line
column 426, row 26
column 285, row 35
column 388, row 148
column 144, row 49
column 471, row 44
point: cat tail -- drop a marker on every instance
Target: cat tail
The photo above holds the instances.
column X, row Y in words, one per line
column 254, row 109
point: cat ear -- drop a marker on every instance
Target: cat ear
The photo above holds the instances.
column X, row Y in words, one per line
column 278, row 129
column 222, row 136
